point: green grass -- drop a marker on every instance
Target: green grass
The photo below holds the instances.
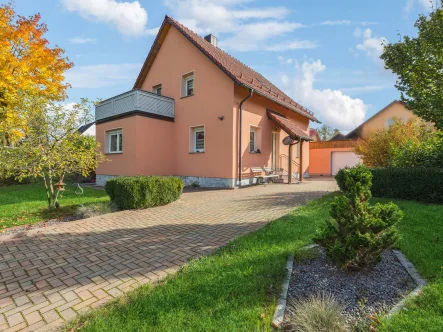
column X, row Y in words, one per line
column 27, row 204
column 235, row 289
column 422, row 242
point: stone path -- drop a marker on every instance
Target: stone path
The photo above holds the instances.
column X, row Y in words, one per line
column 50, row 275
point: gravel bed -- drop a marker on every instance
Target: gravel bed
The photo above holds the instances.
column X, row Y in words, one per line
column 362, row 294
column 43, row 224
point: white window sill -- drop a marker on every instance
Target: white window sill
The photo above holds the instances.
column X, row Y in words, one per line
column 119, row 152
column 195, row 152
column 254, row 152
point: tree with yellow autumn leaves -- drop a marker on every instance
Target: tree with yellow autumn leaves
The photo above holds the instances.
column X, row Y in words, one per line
column 39, row 136
column 31, row 73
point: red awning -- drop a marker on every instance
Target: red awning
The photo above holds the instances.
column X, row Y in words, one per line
column 288, row 126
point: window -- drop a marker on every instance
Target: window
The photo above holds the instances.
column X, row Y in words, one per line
column 253, row 140
column 188, row 85
column 198, row 139
column 157, row 89
column 115, row 141
column 389, row 123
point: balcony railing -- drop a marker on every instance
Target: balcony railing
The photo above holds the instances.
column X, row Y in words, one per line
column 135, row 102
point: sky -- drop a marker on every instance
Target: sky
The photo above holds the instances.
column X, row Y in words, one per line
column 324, row 53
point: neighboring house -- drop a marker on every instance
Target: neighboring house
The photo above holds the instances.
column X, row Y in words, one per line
column 327, row 158
column 313, row 133
column 185, row 114
column 382, row 120
column 338, row 137
column 88, row 129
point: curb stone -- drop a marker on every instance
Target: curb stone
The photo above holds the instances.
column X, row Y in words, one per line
column 279, row 314
column 414, row 275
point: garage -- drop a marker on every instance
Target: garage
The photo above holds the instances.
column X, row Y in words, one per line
column 342, row 159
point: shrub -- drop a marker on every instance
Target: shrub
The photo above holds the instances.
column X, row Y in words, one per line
column 358, row 233
column 317, row 313
column 141, row 192
column 415, row 184
column 378, row 149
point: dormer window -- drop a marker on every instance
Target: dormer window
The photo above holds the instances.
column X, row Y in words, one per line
column 188, row 85
column 157, row 89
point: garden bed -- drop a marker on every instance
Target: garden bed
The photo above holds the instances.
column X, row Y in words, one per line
column 364, row 296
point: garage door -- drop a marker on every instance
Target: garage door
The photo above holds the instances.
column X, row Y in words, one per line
column 342, row 159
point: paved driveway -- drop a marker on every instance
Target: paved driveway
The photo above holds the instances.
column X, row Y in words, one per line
column 51, row 275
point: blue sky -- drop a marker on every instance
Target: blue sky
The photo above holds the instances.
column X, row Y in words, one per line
column 322, row 53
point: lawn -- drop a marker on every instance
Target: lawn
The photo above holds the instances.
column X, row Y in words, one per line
column 235, row 289
column 26, row 204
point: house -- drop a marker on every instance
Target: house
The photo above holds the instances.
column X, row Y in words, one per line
column 327, row 158
column 87, row 129
column 382, row 120
column 189, row 105
column 313, row 133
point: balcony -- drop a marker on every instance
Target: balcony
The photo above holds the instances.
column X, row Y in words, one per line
column 135, row 102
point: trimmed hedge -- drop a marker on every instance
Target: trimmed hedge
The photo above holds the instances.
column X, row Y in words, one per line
column 140, row 192
column 412, row 184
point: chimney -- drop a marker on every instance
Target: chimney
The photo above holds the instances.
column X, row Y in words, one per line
column 211, row 39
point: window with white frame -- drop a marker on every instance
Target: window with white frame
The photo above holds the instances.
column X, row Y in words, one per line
column 390, row 122
column 253, row 139
column 198, row 139
column 115, row 141
column 188, row 85
column 157, row 89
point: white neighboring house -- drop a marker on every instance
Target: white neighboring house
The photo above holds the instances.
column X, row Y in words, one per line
column 87, row 129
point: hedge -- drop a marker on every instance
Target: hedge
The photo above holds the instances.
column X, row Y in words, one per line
column 140, row 192
column 413, row 184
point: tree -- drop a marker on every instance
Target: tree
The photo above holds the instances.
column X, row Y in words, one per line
column 52, row 148
column 358, row 232
column 31, row 73
column 378, row 149
column 326, row 133
column 418, row 63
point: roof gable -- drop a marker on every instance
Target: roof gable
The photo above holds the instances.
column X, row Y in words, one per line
column 357, row 131
column 236, row 70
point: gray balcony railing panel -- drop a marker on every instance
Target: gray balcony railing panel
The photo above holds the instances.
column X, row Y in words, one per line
column 135, row 101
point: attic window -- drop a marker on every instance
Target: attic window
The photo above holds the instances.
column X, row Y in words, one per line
column 188, row 85
column 157, row 89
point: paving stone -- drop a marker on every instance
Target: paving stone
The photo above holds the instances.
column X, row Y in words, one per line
column 33, row 317
column 50, row 316
column 15, row 319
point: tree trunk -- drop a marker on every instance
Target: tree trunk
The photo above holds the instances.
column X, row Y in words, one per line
column 53, row 193
column 48, row 194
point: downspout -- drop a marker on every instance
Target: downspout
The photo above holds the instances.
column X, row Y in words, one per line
column 251, row 91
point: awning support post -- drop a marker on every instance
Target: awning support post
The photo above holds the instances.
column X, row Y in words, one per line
column 300, row 175
column 290, row 163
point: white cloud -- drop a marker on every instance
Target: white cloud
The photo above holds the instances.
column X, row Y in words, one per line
column 82, row 40
column 291, row 45
column 128, row 17
column 372, row 46
column 332, row 107
column 426, row 5
column 337, row 22
column 246, row 28
column 102, row 75
column 364, row 89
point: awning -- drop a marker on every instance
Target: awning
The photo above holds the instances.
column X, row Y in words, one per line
column 288, row 126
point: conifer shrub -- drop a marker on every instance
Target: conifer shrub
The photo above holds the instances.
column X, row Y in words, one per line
column 358, row 232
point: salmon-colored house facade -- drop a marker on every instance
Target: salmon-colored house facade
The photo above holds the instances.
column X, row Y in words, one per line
column 183, row 118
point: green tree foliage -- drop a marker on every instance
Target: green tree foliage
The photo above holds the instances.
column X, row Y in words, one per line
column 358, row 232
column 418, row 63
column 395, row 146
column 326, row 133
column 52, row 148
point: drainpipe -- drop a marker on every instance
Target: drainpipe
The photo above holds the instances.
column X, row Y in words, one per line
column 240, row 136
